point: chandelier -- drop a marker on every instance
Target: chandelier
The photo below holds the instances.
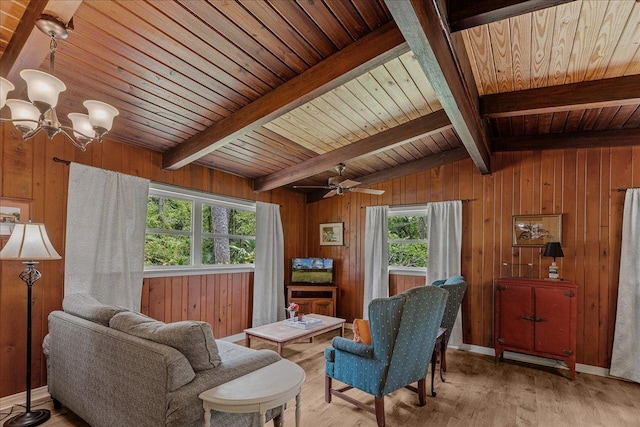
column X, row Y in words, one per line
column 43, row 90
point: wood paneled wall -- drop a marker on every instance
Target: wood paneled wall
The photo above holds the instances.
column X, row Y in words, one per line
column 27, row 171
column 580, row 184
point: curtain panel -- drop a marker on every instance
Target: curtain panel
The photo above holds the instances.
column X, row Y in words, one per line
column 376, row 256
column 444, row 236
column 106, row 222
column 268, row 279
column 625, row 356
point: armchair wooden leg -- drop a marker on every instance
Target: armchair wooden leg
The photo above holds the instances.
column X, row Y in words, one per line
column 327, row 389
column 443, row 359
column 422, row 392
column 379, row 404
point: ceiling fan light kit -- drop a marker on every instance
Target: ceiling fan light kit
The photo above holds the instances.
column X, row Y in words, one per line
column 339, row 186
column 43, row 90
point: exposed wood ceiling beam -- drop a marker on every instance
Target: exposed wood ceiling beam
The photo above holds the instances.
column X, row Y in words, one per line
column 407, row 132
column 576, row 96
column 425, row 163
column 29, row 46
column 465, row 14
column 356, row 59
column 444, row 60
column 561, row 141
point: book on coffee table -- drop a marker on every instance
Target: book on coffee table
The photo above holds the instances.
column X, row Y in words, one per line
column 305, row 323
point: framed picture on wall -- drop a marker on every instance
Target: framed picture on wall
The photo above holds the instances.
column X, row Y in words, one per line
column 13, row 211
column 331, row 234
column 536, row 230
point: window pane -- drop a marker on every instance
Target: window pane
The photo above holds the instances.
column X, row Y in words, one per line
column 164, row 249
column 168, row 214
column 408, row 254
column 220, row 250
column 408, row 227
column 221, row 220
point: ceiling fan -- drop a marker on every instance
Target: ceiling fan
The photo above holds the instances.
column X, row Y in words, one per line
column 338, row 185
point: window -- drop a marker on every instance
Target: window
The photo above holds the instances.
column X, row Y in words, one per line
column 189, row 232
column 407, row 240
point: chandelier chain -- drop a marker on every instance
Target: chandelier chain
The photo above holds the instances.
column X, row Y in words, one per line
column 53, row 46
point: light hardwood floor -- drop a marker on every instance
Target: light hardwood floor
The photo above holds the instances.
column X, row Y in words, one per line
column 477, row 392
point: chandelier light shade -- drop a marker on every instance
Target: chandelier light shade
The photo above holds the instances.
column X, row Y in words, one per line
column 43, row 90
column 24, row 114
column 29, row 243
column 5, row 87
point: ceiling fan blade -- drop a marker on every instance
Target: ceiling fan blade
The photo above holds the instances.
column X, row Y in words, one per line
column 367, row 191
column 348, row 183
column 313, row 186
column 330, row 194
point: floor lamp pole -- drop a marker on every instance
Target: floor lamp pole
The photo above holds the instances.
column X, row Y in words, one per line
column 30, row 418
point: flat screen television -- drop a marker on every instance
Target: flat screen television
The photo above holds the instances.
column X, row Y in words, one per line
column 312, row 270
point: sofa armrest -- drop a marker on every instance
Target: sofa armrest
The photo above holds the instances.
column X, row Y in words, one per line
column 107, row 377
column 350, row 346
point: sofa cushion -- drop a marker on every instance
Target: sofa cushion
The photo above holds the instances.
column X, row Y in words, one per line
column 87, row 307
column 192, row 338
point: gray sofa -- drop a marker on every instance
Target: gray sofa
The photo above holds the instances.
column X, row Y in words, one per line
column 110, row 377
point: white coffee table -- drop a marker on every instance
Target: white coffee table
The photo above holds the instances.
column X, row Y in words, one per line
column 281, row 334
column 263, row 389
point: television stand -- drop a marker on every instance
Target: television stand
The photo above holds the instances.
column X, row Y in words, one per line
column 318, row 299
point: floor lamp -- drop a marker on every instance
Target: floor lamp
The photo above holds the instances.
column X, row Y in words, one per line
column 28, row 243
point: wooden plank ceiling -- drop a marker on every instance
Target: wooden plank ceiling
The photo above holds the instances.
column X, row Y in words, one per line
column 280, row 91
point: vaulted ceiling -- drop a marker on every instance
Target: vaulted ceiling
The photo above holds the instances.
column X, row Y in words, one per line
column 281, row 91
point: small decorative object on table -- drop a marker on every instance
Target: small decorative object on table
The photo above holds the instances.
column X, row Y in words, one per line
column 293, row 311
column 303, row 322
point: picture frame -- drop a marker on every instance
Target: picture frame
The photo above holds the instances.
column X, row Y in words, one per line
column 331, row 234
column 13, row 211
column 536, row 230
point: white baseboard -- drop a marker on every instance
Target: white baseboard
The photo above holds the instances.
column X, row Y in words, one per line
column 38, row 395
column 587, row 369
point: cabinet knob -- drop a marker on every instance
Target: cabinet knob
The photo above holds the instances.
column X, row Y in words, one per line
column 500, row 340
column 568, row 352
column 569, row 294
column 500, row 288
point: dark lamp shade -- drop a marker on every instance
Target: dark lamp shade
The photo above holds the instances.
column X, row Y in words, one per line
column 553, row 249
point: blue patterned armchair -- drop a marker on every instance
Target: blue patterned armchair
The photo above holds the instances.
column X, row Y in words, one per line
column 403, row 333
column 456, row 287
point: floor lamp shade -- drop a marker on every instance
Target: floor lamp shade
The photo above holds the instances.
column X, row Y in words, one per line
column 29, row 243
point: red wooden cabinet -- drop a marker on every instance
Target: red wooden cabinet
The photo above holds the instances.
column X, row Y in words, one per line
column 536, row 317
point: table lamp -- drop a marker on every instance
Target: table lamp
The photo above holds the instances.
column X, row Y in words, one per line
column 553, row 249
column 28, row 243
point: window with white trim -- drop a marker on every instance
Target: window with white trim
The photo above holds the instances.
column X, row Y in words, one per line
column 407, row 239
column 190, row 232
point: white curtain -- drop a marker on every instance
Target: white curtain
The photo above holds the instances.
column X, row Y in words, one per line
column 444, row 234
column 104, row 250
column 268, row 279
column 625, row 357
column 376, row 256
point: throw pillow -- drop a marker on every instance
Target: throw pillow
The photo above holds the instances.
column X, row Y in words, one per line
column 192, row 338
column 361, row 332
column 85, row 306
